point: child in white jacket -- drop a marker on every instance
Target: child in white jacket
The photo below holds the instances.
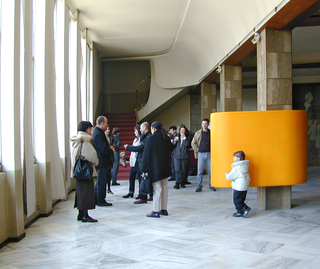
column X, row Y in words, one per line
column 240, row 183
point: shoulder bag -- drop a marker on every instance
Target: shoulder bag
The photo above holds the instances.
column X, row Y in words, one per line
column 145, row 185
column 82, row 168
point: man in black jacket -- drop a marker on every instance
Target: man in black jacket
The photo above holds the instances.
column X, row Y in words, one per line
column 105, row 153
column 156, row 162
column 145, row 134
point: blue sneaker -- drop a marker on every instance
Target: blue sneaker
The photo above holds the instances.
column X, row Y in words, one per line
column 153, row 215
column 246, row 211
column 237, row 215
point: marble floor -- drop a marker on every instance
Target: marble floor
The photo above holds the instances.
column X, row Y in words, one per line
column 199, row 232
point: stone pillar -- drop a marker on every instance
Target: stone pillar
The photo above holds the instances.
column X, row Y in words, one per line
column 10, row 121
column 208, row 99
column 195, row 113
column 274, row 92
column 231, row 88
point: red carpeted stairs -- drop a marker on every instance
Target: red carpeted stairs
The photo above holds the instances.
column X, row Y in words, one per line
column 126, row 122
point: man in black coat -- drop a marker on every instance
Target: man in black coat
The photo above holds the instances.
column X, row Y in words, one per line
column 105, row 153
column 145, row 134
column 156, row 161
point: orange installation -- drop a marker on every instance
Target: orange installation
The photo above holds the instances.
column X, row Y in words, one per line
column 275, row 142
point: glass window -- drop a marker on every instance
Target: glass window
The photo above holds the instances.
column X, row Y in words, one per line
column 84, row 115
column 73, row 74
column 59, row 30
column 0, row 84
column 22, row 83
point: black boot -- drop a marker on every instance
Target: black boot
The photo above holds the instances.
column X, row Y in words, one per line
column 128, row 195
column 176, row 186
column 80, row 215
column 87, row 218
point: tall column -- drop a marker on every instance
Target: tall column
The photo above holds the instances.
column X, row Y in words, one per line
column 231, row 88
column 274, row 92
column 10, row 118
column 208, row 99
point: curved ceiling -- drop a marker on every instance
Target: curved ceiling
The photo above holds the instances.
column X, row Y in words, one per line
column 185, row 39
column 124, row 28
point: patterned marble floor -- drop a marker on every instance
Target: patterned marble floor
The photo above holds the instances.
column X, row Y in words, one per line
column 199, row 232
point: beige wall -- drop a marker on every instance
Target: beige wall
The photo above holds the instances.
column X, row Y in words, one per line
column 96, row 84
column 119, row 80
column 249, row 99
column 5, row 222
column 118, row 102
column 178, row 113
column 3, row 208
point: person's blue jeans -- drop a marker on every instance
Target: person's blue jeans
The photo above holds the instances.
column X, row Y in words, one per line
column 203, row 158
column 100, row 186
column 132, row 179
column 115, row 168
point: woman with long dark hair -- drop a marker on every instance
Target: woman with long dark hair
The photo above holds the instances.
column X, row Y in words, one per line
column 180, row 155
column 112, row 143
column 85, row 198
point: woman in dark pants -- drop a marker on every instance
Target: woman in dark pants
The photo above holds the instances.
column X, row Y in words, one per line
column 180, row 155
column 85, row 198
column 133, row 159
column 113, row 143
column 115, row 169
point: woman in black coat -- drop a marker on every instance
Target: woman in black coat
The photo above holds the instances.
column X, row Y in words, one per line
column 180, row 155
column 156, row 162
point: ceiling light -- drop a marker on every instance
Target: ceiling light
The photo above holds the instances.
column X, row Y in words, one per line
column 255, row 38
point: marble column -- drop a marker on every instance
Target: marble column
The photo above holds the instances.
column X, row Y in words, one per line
column 274, row 92
column 10, row 121
column 231, row 88
column 208, row 99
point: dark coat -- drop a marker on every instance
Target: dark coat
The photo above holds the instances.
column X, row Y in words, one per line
column 85, row 198
column 118, row 142
column 143, row 139
column 101, row 144
column 181, row 151
column 114, row 144
column 156, row 159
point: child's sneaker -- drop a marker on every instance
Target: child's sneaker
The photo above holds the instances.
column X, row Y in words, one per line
column 246, row 211
column 237, row 215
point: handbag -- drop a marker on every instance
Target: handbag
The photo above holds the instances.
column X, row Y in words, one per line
column 145, row 185
column 82, row 168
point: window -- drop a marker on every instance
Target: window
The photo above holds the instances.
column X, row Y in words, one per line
column 22, row 83
column 0, row 84
column 73, row 74
column 83, row 92
column 59, row 30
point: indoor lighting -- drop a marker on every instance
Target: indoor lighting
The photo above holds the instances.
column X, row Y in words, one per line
column 255, row 38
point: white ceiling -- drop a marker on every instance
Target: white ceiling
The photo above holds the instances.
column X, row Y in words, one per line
column 184, row 39
column 124, row 28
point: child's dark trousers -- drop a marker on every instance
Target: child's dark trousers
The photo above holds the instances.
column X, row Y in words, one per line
column 238, row 199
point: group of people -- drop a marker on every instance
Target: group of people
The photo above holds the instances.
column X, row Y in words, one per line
column 180, row 156
column 154, row 153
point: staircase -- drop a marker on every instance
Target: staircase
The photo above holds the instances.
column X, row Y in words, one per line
column 126, row 122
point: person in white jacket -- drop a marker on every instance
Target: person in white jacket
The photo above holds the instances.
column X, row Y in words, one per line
column 84, row 199
column 240, row 183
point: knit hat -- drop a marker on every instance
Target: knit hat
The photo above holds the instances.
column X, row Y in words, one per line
column 157, row 125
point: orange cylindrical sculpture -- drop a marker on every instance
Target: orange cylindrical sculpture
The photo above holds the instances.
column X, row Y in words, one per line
column 275, row 142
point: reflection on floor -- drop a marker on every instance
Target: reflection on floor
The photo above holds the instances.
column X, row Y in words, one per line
column 199, row 232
